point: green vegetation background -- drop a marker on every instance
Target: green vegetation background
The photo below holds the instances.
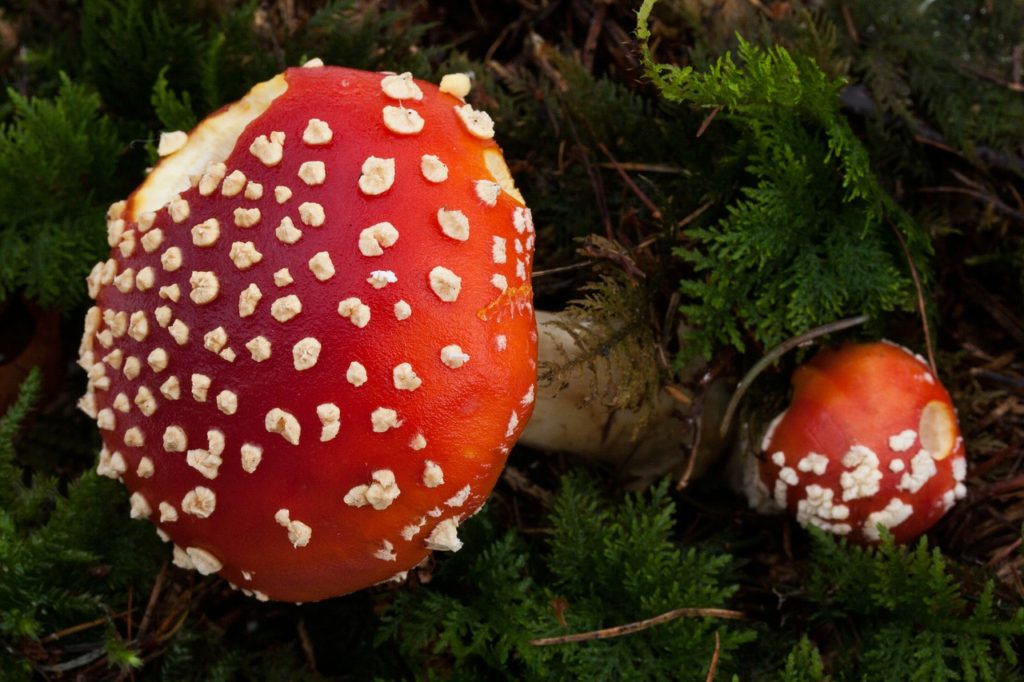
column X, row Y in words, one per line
column 752, row 169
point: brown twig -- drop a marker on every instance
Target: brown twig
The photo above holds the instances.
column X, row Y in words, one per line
column 644, row 199
column 707, row 121
column 154, row 596
column 714, row 659
column 630, row 628
column 921, row 308
column 75, row 629
column 987, row 198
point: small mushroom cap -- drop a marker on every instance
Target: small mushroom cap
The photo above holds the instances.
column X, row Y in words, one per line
column 309, row 252
column 870, row 439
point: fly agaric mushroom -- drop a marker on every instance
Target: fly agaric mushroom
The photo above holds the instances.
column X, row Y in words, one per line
column 313, row 344
column 869, row 439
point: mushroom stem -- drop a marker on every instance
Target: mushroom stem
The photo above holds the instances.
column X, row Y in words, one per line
column 643, row 443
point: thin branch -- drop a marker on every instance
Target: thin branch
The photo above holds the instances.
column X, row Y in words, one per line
column 921, row 308
column 714, row 659
column 630, row 628
column 776, row 353
column 644, row 199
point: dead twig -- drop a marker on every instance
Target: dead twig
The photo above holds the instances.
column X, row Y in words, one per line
column 644, row 199
column 714, row 659
column 631, row 628
column 921, row 308
column 776, row 353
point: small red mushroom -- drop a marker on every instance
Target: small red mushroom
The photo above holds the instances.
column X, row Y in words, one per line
column 313, row 344
column 870, row 439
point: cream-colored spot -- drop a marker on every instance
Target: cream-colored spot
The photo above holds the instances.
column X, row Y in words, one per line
column 321, row 266
column 205, row 462
column 134, row 438
column 246, row 217
column 356, row 374
column 253, row 191
column 456, row 84
column 175, row 439
column 145, row 469
column 452, row 356
column 330, row 419
column 244, row 255
column 171, row 388
column 487, row 191
column 138, row 326
column 374, row 239
column 299, row 533
column 251, row 456
column 157, row 360
column 233, row 183
column 478, row 123
column 179, row 210
column 317, row 132
column 171, row 142
column 146, row 220
column 283, row 277
column 937, row 428
column 140, row 507
column 205, row 287
column 267, row 151
column 377, row 175
column 379, row 494
column 433, row 476
column 170, row 292
column 145, row 279
column 168, row 514
column 114, row 358
column 285, row 308
column 162, row 315
column 286, row 231
column 401, row 86
column 313, row 172
column 282, row 194
column 379, row 279
column 445, row 283
column 132, row 367
column 445, row 537
column 433, row 168
column 402, row 121
column 259, row 348
column 386, row 552
column 200, row 387
column 499, row 282
column 311, row 213
column 215, row 339
column 200, row 502
column 513, row 423
column 902, row 441
column 459, row 498
column 384, row 418
column 418, row 442
column 145, row 401
column 227, row 402
column 314, row 63
column 283, row 423
column 305, row 353
column 125, row 282
column 248, row 299
column 211, row 178
column 179, row 332
column 355, row 310
column 453, row 224
column 405, row 377
column 402, row 310
column 228, row 354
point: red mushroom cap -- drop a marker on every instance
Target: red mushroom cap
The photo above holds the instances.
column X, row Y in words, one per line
column 869, row 439
column 313, row 345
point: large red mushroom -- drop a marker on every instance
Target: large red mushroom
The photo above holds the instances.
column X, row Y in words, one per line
column 870, row 440
column 313, row 343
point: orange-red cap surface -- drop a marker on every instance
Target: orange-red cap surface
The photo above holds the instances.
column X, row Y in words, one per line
column 869, row 439
column 313, row 345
